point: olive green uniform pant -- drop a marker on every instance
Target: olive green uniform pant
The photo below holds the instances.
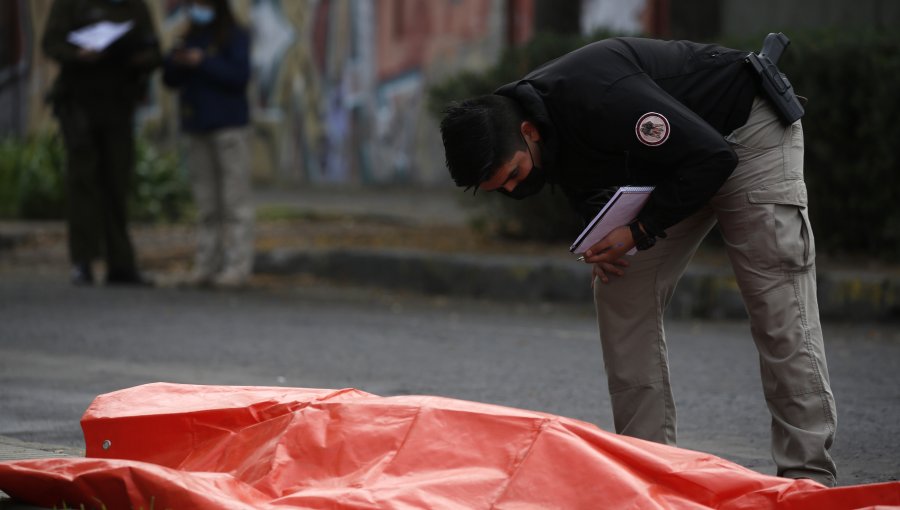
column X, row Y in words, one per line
column 762, row 214
column 99, row 143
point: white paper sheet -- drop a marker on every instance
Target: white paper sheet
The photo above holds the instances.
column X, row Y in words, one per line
column 99, row 36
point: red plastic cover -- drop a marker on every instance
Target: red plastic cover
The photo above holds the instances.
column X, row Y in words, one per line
column 204, row 447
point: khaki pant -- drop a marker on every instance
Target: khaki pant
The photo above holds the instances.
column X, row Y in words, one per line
column 219, row 166
column 761, row 211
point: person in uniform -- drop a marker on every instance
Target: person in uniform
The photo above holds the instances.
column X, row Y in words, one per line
column 693, row 121
column 94, row 98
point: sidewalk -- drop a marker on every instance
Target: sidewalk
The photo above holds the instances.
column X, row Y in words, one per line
column 707, row 291
column 13, row 449
column 419, row 241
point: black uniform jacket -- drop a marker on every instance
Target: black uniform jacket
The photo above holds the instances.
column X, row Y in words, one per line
column 631, row 111
column 119, row 77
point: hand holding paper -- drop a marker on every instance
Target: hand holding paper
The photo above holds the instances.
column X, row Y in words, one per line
column 98, row 36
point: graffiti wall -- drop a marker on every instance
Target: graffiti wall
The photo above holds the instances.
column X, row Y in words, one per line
column 23, row 70
column 339, row 86
column 14, row 65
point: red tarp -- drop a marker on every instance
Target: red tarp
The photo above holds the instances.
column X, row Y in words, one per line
column 169, row 446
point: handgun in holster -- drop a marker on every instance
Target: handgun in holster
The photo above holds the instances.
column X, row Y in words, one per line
column 775, row 84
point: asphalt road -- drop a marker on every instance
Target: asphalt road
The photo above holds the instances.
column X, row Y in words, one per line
column 61, row 346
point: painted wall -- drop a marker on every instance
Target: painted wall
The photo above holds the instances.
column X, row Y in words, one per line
column 617, row 16
column 339, row 86
column 24, row 72
column 14, row 65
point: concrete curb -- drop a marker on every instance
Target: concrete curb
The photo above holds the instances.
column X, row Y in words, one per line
column 702, row 293
column 13, row 449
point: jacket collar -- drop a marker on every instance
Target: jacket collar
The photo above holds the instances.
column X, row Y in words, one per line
column 529, row 99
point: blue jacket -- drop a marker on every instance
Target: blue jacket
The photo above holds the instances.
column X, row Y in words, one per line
column 214, row 94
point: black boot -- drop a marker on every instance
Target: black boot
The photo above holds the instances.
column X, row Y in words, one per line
column 132, row 277
column 82, row 274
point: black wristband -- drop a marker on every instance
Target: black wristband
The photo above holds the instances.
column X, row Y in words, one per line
column 642, row 240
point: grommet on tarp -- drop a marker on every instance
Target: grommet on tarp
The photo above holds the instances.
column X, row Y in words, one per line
column 107, row 444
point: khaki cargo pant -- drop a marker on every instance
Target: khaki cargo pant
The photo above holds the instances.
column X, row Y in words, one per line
column 761, row 211
column 219, row 168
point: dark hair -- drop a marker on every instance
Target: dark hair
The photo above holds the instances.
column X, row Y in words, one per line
column 480, row 134
column 221, row 27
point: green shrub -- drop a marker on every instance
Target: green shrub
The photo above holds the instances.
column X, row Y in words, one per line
column 161, row 192
column 32, row 181
column 852, row 167
column 31, row 178
column 850, row 127
column 514, row 63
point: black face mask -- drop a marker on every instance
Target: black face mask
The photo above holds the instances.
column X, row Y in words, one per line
column 528, row 187
column 531, row 185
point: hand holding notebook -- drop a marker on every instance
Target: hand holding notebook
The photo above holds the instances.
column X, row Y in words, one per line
column 621, row 209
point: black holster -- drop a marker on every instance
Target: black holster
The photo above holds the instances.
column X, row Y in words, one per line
column 774, row 83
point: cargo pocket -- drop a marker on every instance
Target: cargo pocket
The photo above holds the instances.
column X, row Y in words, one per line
column 787, row 242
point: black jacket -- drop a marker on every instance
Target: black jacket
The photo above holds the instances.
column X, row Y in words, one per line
column 118, row 79
column 640, row 112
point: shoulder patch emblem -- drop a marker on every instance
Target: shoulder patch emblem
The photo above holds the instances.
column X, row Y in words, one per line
column 652, row 129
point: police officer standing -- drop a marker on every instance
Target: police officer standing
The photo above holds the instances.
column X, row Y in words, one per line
column 94, row 98
column 695, row 122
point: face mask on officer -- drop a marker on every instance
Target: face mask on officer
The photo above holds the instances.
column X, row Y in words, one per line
column 202, row 14
column 533, row 182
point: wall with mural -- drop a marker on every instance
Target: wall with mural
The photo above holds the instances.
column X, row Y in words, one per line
column 14, row 66
column 339, row 86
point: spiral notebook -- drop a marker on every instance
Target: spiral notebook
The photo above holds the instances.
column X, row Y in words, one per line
column 621, row 209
